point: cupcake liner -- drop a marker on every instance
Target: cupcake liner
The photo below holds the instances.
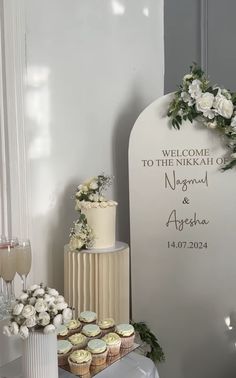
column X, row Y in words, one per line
column 79, row 369
column 63, row 358
column 114, row 350
column 127, row 341
column 73, row 331
column 99, row 358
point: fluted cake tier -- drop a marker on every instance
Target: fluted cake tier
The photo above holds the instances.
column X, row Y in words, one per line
column 98, row 280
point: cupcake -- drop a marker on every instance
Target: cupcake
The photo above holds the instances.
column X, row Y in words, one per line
column 62, row 332
column 126, row 333
column 92, row 331
column 113, row 342
column 74, row 326
column 80, row 361
column 78, row 341
column 88, row 317
column 98, row 350
column 107, row 325
column 64, row 348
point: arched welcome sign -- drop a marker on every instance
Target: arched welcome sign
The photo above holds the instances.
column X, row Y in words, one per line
column 183, row 243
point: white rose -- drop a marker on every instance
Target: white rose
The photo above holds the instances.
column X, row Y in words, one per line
column 223, row 106
column 39, row 292
column 49, row 329
column 233, row 122
column 48, row 298
column 195, row 89
column 60, row 298
column 187, row 77
column 67, row 315
column 53, row 309
column 53, row 292
column 30, row 322
column 205, row 102
column 14, row 328
column 43, row 318
column 91, row 198
column 233, row 155
column 57, row 321
column 61, row 306
column 80, row 186
column 75, row 243
column 34, row 287
column 18, row 309
column 212, row 125
column 185, row 96
column 93, row 185
column 78, row 228
column 24, row 332
column 7, row 331
column 85, row 188
column 24, row 297
column 96, row 197
column 41, row 305
column 28, row 311
column 32, row 301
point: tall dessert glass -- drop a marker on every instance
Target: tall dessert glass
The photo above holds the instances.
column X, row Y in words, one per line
column 23, row 260
column 8, row 266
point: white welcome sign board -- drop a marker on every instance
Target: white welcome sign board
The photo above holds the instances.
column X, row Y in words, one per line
column 183, row 243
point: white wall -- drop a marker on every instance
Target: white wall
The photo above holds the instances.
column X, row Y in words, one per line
column 91, row 67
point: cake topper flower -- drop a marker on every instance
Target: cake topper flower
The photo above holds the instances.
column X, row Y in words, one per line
column 213, row 106
column 92, row 189
column 38, row 308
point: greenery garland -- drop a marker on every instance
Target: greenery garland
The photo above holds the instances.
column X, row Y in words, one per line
column 213, row 106
column 155, row 351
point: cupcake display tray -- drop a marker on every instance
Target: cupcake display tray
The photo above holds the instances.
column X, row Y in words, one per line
column 110, row 360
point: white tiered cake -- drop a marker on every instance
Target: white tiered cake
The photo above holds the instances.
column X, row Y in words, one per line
column 97, row 278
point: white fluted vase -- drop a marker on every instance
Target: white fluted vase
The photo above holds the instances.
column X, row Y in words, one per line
column 39, row 359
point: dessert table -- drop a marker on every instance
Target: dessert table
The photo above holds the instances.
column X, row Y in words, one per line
column 132, row 366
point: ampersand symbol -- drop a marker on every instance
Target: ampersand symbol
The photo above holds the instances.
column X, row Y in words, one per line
column 186, row 201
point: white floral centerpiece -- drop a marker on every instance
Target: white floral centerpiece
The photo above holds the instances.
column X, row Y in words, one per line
column 214, row 106
column 37, row 309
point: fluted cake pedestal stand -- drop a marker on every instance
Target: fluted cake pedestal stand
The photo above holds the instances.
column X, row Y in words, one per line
column 98, row 280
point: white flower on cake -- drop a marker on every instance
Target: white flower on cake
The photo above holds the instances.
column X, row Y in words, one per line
column 197, row 98
column 39, row 308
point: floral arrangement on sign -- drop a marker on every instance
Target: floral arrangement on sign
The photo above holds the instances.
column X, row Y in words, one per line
column 38, row 308
column 214, row 106
column 81, row 235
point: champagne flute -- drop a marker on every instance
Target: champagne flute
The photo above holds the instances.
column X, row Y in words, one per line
column 23, row 260
column 8, row 263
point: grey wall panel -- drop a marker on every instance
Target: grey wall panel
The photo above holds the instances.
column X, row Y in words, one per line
column 182, row 28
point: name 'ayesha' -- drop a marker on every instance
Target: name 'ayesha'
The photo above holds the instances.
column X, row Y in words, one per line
column 180, row 223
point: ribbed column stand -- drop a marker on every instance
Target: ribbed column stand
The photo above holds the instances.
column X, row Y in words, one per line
column 39, row 358
column 98, row 281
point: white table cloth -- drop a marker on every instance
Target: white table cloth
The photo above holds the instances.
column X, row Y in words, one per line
column 131, row 366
